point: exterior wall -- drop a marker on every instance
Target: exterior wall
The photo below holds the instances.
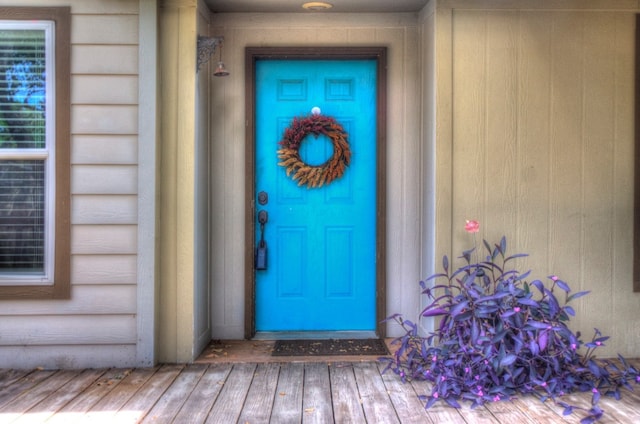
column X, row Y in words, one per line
column 178, row 261
column 535, row 139
column 98, row 326
column 400, row 33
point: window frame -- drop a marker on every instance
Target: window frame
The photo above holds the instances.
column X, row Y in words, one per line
column 60, row 287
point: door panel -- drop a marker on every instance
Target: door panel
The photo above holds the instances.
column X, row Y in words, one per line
column 321, row 272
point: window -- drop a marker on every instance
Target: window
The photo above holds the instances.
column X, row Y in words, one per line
column 34, row 152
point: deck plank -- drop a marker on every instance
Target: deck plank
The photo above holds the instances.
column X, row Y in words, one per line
column 316, row 403
column 261, row 394
column 35, row 394
column 540, row 411
column 74, row 410
column 49, row 406
column 287, row 405
column 347, row 404
column 229, row 403
column 376, row 402
column 12, row 391
column 404, row 398
column 110, row 404
column 8, row 377
column 621, row 411
column 168, row 406
column 506, row 411
column 145, row 398
column 477, row 415
column 199, row 403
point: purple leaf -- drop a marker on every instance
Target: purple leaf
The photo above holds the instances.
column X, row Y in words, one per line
column 430, row 402
column 508, row 360
column 577, row 295
column 528, row 302
column 538, row 324
column 538, row 285
column 517, row 255
column 507, row 314
column 563, row 285
column 542, row 340
column 434, row 312
column 475, row 332
column 452, row 402
column 457, row 309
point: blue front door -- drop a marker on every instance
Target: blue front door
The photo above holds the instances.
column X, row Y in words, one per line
column 321, row 242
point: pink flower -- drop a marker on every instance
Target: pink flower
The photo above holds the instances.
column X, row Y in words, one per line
column 472, row 226
column 435, row 395
column 554, row 278
column 516, row 309
column 496, row 398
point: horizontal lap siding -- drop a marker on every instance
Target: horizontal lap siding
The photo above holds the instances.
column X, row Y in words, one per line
column 97, row 326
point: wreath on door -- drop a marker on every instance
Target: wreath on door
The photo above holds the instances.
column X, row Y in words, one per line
column 314, row 175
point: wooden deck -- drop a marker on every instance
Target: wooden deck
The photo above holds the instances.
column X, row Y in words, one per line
column 257, row 392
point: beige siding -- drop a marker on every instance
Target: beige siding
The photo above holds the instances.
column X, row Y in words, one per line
column 541, row 137
column 104, row 209
column 400, row 33
column 103, row 269
column 100, row 149
column 104, row 179
column 105, row 89
column 97, row 326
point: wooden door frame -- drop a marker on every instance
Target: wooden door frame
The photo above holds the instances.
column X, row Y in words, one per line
column 252, row 55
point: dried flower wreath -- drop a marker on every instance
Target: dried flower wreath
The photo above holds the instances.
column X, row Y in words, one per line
column 310, row 175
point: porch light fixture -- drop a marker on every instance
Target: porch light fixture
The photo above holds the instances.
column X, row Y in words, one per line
column 316, row 6
column 206, row 49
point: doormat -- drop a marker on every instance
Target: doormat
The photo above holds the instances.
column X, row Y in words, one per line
column 330, row 347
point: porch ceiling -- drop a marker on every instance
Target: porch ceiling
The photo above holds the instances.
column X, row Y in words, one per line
column 339, row 6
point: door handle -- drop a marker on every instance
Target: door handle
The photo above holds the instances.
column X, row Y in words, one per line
column 263, row 217
column 261, row 250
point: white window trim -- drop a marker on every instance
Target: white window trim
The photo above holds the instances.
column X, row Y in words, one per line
column 47, row 154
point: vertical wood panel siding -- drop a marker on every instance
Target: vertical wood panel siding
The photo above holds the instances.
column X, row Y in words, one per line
column 542, row 151
column 102, row 308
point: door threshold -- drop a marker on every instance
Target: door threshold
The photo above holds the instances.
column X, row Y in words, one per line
column 314, row 335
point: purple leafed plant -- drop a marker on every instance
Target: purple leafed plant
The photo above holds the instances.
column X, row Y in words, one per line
column 499, row 335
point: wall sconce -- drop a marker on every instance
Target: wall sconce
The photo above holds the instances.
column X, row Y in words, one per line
column 206, row 48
